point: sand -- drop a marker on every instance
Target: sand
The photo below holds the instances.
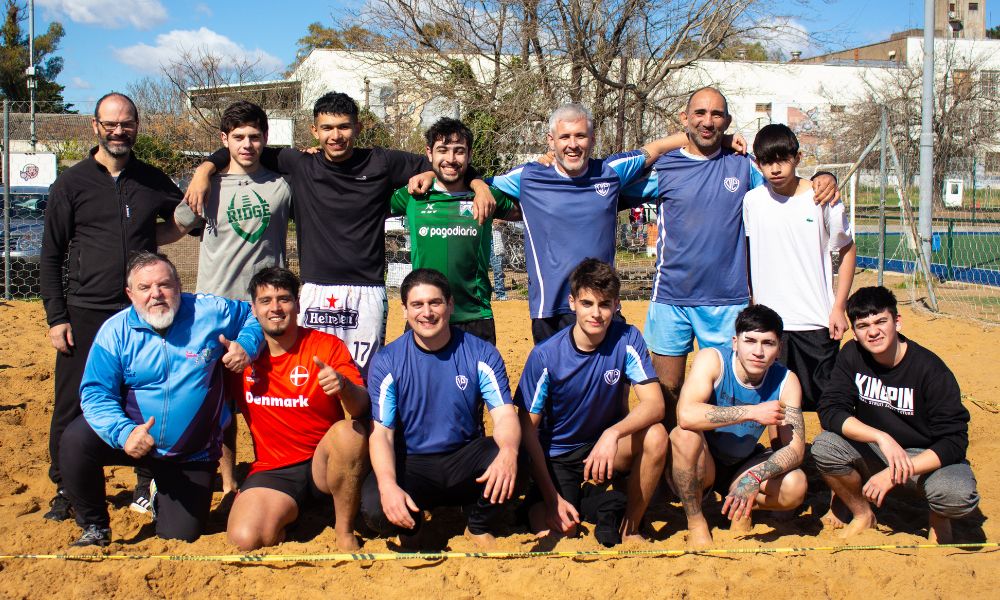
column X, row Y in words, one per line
column 26, row 362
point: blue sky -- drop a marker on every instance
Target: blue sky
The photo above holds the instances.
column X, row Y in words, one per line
column 110, row 43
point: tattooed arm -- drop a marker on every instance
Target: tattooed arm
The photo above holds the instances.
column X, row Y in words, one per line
column 694, row 413
column 788, row 440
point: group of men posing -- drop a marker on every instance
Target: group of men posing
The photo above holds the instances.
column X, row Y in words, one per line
column 389, row 431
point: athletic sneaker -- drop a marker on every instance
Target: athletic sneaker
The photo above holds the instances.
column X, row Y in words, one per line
column 94, row 535
column 61, row 509
column 152, row 498
column 142, row 499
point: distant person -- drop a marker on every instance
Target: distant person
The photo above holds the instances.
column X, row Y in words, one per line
column 99, row 211
column 307, row 409
column 151, row 396
column 341, row 201
column 244, row 225
column 701, row 282
column 730, row 398
column 790, row 239
column 576, row 426
column 893, row 418
column 443, row 233
column 428, row 390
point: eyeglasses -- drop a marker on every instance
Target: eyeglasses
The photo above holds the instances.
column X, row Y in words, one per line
column 112, row 125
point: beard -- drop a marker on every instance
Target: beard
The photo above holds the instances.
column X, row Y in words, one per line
column 123, row 147
column 158, row 320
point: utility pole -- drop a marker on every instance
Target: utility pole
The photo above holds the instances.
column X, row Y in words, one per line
column 927, row 138
column 30, row 71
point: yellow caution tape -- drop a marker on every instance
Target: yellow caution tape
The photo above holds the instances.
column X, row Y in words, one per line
column 433, row 556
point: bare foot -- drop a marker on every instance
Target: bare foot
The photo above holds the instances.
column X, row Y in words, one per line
column 858, row 525
column 636, row 538
column 485, row 541
column 939, row 531
column 699, row 536
column 743, row 525
column 831, row 520
column 347, row 541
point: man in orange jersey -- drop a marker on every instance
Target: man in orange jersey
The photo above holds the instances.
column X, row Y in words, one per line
column 296, row 399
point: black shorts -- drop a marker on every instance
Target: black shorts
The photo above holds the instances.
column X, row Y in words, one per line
column 566, row 471
column 546, row 327
column 295, row 480
column 725, row 474
column 810, row 355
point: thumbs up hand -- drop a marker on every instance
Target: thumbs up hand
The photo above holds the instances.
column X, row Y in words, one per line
column 330, row 380
column 236, row 358
column 139, row 442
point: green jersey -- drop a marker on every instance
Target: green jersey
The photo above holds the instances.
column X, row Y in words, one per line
column 445, row 237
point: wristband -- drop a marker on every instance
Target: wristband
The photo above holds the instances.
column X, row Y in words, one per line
column 755, row 476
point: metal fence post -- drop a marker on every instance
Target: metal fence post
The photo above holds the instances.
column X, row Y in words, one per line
column 883, row 183
column 6, row 199
column 951, row 232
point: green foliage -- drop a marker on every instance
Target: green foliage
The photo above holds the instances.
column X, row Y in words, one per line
column 993, row 33
column 484, row 125
column 14, row 61
column 161, row 154
column 374, row 132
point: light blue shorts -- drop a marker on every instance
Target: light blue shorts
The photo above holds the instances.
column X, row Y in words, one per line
column 671, row 329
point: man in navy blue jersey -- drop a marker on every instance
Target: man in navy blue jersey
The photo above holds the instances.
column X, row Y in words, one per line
column 577, row 427
column 428, row 448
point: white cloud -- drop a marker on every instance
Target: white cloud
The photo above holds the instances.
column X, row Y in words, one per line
column 141, row 14
column 203, row 9
column 82, row 84
column 788, row 35
column 175, row 44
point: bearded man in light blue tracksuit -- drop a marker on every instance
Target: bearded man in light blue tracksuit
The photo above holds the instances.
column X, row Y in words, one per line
column 152, row 396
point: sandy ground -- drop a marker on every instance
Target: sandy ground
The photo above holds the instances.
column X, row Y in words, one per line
column 26, row 361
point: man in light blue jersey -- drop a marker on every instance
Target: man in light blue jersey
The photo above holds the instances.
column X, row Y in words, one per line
column 428, row 449
column 577, row 427
column 730, row 398
column 570, row 210
column 701, row 267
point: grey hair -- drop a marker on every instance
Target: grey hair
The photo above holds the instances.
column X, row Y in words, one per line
column 145, row 258
column 571, row 112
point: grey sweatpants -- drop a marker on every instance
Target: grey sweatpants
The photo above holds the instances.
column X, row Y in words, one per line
column 950, row 491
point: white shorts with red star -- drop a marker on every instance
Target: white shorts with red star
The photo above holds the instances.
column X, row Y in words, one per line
column 354, row 313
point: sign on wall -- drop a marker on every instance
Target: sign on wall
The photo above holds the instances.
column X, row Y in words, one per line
column 37, row 169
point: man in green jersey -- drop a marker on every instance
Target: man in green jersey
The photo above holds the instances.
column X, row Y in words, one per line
column 443, row 233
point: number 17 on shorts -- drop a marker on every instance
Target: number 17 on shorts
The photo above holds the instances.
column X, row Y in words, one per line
column 354, row 313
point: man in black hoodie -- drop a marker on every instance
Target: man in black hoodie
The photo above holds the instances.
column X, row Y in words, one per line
column 99, row 211
column 893, row 417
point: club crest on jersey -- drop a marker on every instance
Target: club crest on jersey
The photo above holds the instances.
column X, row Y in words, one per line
column 731, row 183
column 602, row 188
column 461, row 381
column 611, row 376
column 298, row 376
column 465, row 208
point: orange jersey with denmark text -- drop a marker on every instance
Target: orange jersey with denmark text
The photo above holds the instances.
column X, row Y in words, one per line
column 287, row 411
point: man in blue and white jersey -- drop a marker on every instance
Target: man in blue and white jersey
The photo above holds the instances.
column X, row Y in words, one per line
column 730, row 397
column 428, row 448
column 577, row 427
column 152, row 397
column 570, row 210
column 700, row 283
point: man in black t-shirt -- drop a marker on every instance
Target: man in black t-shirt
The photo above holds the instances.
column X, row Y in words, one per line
column 340, row 199
column 893, row 417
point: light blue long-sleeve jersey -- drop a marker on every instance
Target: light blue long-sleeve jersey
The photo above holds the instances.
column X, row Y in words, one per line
column 134, row 373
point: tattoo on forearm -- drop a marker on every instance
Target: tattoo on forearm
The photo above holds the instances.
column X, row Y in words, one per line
column 726, row 414
column 782, row 461
column 793, row 416
column 689, row 489
column 645, row 153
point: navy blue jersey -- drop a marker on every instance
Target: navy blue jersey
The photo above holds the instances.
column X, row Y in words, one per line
column 579, row 394
column 700, row 247
column 733, row 444
column 434, row 400
column 567, row 219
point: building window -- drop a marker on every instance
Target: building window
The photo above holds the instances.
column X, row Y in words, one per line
column 836, row 108
column 990, row 82
column 951, row 7
column 763, row 107
column 973, row 6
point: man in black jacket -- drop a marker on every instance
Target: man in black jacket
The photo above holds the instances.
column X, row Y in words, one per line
column 893, row 417
column 99, row 211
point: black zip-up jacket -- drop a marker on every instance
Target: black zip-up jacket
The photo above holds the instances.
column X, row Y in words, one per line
column 98, row 221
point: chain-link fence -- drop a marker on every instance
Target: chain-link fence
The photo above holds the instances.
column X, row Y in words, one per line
column 965, row 263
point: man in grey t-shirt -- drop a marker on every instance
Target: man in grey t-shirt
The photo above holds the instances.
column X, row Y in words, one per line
column 245, row 224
